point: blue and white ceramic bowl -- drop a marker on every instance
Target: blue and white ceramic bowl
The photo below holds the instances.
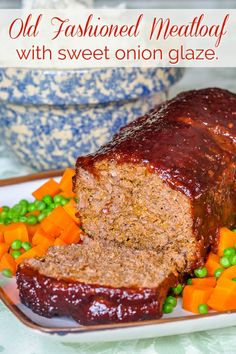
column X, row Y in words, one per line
column 49, row 118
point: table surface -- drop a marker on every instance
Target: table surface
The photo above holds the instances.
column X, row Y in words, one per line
column 15, row 337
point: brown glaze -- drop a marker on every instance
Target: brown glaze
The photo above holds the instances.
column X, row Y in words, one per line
column 190, row 142
column 87, row 303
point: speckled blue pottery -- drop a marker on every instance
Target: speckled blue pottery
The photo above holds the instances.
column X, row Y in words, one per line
column 49, row 117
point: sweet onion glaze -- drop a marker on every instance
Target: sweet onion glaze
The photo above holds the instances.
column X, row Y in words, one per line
column 89, row 304
column 190, row 142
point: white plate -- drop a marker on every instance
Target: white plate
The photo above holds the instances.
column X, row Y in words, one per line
column 178, row 322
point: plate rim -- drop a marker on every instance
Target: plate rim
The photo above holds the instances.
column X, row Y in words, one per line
column 81, row 329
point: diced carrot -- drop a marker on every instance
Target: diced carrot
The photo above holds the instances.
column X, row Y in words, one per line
column 208, row 282
column 71, row 234
column 1, row 209
column 40, row 239
column 36, row 251
column 71, row 209
column 66, row 184
column 59, row 218
column 17, row 231
column 50, row 228
column 212, row 263
column 4, row 247
column 3, row 227
column 193, row 296
column 229, row 273
column 223, row 297
column 8, row 262
column 1, row 237
column 227, row 239
column 51, row 187
column 32, row 229
column 58, row 242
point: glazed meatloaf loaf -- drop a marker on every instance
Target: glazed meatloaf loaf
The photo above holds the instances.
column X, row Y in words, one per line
column 152, row 200
column 166, row 182
column 97, row 282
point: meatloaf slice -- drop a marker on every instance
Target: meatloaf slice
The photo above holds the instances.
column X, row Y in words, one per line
column 166, row 182
column 97, row 282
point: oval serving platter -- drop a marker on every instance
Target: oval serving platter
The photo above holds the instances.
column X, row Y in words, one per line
column 62, row 328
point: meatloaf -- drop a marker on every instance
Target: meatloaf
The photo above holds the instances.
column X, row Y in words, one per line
column 166, row 182
column 152, row 201
column 97, row 282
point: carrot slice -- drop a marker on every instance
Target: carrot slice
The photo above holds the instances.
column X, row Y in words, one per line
column 50, row 228
column 209, row 282
column 227, row 239
column 1, row 236
column 223, row 297
column 229, row 273
column 32, row 229
column 58, row 218
column 66, row 183
column 42, row 239
column 4, row 247
column 193, row 296
column 71, row 209
column 17, row 231
column 8, row 262
column 58, row 242
column 51, row 187
column 212, row 263
column 36, row 251
column 71, row 234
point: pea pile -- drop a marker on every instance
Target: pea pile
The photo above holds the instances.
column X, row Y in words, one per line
column 171, row 301
column 25, row 211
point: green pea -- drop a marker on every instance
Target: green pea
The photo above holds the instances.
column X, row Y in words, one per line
column 48, row 212
column 11, row 214
column 51, row 206
column 7, row 221
column 57, row 204
column 203, row 309
column 1, row 221
column 171, row 300
column 234, row 230
column 16, row 245
column 15, row 219
column 31, row 207
column 189, row 281
column 218, row 272
column 41, row 216
column 4, row 214
column 32, row 220
column 47, row 199
column 16, row 254
column 7, row 273
column 225, row 262
column 234, row 279
column 16, row 209
column 24, row 210
column 40, row 205
column 64, row 201
column 5, row 208
column 200, row 272
column 23, row 219
column 26, row 245
column 167, row 308
column 177, row 290
column 57, row 198
column 233, row 260
column 24, row 202
column 229, row 252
